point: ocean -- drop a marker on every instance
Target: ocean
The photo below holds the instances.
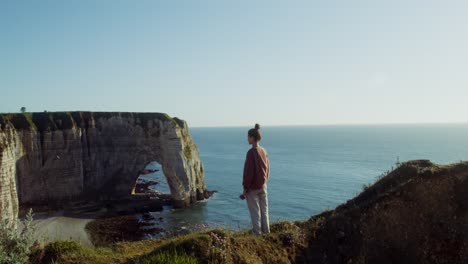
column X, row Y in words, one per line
column 313, row 168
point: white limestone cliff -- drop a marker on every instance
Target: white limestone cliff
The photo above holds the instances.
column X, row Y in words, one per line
column 55, row 158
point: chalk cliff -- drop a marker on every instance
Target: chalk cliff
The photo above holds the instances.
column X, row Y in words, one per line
column 53, row 158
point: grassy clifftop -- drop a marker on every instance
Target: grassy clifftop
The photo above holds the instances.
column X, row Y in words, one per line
column 50, row 121
column 417, row 213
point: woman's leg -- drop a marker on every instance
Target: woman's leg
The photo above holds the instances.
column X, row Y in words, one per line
column 254, row 208
column 263, row 199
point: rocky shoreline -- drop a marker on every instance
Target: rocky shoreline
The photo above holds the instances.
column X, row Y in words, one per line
column 108, row 222
column 145, row 200
column 108, row 230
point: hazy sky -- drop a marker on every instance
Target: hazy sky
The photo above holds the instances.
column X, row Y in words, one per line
column 239, row 62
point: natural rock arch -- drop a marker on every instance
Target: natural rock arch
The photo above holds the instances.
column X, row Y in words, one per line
column 60, row 157
column 151, row 175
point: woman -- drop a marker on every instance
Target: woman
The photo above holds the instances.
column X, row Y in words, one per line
column 256, row 173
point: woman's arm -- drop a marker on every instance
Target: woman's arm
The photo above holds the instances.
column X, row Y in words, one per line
column 268, row 166
column 249, row 168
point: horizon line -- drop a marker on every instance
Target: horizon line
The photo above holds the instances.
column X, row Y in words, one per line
column 335, row 124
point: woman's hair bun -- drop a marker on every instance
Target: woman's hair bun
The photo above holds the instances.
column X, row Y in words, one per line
column 257, row 126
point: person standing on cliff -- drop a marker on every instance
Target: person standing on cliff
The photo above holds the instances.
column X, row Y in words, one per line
column 256, row 173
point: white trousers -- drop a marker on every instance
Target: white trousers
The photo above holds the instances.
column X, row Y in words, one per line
column 257, row 201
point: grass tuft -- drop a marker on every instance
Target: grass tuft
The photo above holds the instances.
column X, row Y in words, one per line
column 168, row 257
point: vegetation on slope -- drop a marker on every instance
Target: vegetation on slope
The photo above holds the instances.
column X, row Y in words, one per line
column 16, row 239
column 213, row 246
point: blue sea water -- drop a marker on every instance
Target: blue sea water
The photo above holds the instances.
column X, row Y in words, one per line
column 313, row 168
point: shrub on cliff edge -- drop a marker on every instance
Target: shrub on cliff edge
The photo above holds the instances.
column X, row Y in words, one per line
column 16, row 240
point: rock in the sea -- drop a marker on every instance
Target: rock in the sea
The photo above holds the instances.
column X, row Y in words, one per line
column 51, row 158
column 148, row 171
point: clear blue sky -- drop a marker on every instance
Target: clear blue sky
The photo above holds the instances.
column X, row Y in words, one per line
column 222, row 63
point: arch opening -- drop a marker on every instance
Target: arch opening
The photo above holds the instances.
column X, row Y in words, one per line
column 152, row 182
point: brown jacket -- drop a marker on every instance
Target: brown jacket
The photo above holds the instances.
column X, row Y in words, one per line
column 256, row 168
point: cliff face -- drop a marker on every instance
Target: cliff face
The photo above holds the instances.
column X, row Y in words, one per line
column 51, row 158
column 10, row 148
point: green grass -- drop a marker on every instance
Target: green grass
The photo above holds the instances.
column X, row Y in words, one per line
column 45, row 121
column 168, row 257
column 28, row 117
column 179, row 121
column 54, row 250
column 19, row 120
column 74, row 252
column 213, row 246
column 188, row 152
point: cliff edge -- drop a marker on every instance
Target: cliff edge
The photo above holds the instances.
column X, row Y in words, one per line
column 52, row 158
column 418, row 213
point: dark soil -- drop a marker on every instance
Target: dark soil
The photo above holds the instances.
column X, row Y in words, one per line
column 108, row 230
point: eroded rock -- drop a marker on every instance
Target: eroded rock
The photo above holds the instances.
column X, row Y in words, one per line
column 55, row 157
